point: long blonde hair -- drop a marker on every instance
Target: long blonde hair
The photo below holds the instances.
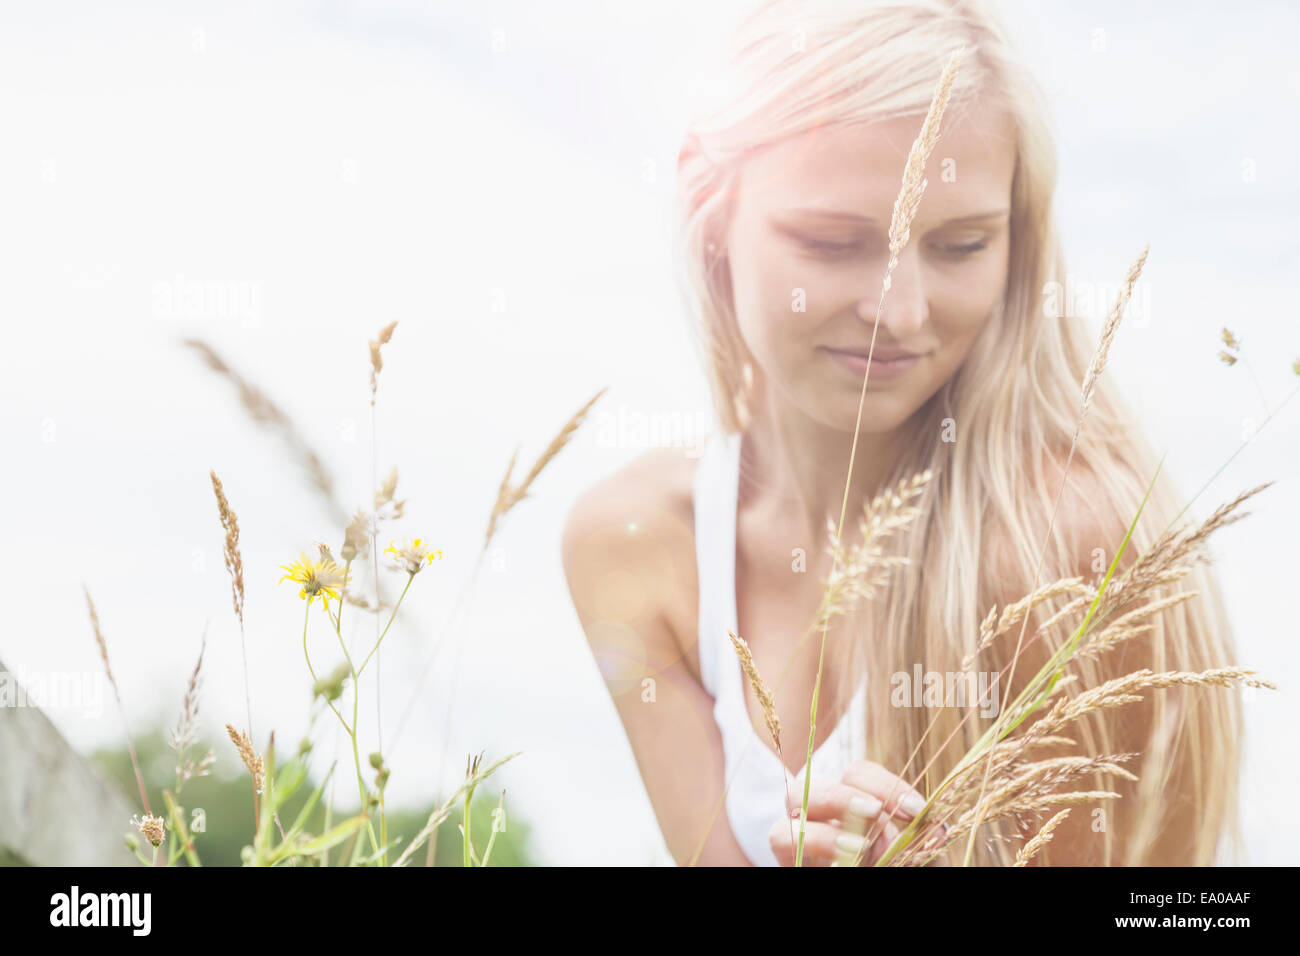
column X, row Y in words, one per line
column 799, row 66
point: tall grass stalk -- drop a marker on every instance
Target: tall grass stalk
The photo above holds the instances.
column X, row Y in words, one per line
column 1095, row 370
column 905, row 207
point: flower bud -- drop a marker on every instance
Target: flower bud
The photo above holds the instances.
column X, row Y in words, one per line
column 153, row 830
column 331, row 685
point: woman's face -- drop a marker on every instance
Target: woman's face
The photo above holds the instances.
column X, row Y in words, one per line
column 808, row 246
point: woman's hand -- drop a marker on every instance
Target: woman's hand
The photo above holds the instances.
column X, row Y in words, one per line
column 880, row 802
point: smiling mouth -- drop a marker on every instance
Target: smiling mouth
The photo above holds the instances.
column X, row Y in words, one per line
column 881, row 368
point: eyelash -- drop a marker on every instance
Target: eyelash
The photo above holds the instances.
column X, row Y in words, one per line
column 961, row 251
column 956, row 251
column 827, row 248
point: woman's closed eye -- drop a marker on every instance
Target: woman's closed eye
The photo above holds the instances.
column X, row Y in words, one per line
column 957, row 250
column 829, row 248
column 951, row 249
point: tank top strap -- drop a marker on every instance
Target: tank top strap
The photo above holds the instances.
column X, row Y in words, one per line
column 716, row 487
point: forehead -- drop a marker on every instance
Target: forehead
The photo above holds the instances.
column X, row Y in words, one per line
column 858, row 169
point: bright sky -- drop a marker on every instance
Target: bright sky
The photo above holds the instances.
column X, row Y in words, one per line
column 282, row 180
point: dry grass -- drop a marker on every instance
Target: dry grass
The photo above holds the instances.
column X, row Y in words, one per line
column 117, row 693
column 262, row 410
column 356, row 541
column 186, row 730
column 914, row 182
column 765, row 699
column 230, row 549
column 509, row 495
column 1094, row 371
column 1013, row 614
column 1108, row 331
column 1015, row 785
column 100, row 642
column 384, row 498
column 1040, row 840
column 235, row 567
column 1172, row 554
column 859, row 570
column 376, row 360
column 253, row 762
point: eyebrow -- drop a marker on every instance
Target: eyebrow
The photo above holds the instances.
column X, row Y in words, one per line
column 854, row 218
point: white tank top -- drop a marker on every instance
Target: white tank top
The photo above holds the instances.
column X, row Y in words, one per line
column 756, row 776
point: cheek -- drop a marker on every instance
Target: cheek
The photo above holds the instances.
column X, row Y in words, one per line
column 773, row 298
column 963, row 298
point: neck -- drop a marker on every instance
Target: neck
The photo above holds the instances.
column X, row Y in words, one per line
column 805, row 463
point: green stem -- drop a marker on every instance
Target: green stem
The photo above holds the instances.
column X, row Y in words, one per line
column 356, row 761
column 812, row 734
column 1232, row 457
column 179, row 831
column 380, row 640
column 469, row 795
column 352, row 732
column 487, row 853
column 343, row 593
column 311, row 670
column 383, row 829
column 1259, row 388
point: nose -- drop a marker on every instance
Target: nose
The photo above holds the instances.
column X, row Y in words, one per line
column 905, row 307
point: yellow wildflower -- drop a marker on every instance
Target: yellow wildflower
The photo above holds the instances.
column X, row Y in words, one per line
column 412, row 556
column 323, row 578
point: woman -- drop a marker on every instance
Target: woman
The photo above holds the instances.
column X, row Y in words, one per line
column 787, row 190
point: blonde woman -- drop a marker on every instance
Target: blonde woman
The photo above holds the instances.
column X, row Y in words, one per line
column 786, row 194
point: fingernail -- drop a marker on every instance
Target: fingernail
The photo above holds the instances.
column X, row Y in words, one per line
column 912, row 804
column 850, row 843
column 796, row 812
column 864, row 807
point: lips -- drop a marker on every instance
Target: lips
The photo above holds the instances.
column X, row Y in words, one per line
column 878, row 369
column 879, row 355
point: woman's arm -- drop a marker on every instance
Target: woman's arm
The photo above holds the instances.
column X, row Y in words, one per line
column 617, row 560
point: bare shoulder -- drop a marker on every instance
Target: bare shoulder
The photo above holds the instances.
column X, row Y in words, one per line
column 629, row 558
column 647, row 497
column 1085, row 519
column 628, row 543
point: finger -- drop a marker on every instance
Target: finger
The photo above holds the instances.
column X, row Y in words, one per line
column 899, row 799
column 818, row 842
column 835, row 801
column 882, row 837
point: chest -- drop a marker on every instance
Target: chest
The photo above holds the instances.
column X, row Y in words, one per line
column 779, row 586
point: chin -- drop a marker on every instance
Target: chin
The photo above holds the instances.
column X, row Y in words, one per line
column 881, row 413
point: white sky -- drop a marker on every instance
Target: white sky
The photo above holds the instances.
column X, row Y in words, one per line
column 340, row 165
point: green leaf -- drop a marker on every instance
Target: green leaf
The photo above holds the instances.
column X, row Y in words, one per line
column 290, row 779
column 390, row 845
column 310, row 805
column 333, row 837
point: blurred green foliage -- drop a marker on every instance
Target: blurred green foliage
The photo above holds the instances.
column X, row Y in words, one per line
column 226, row 804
